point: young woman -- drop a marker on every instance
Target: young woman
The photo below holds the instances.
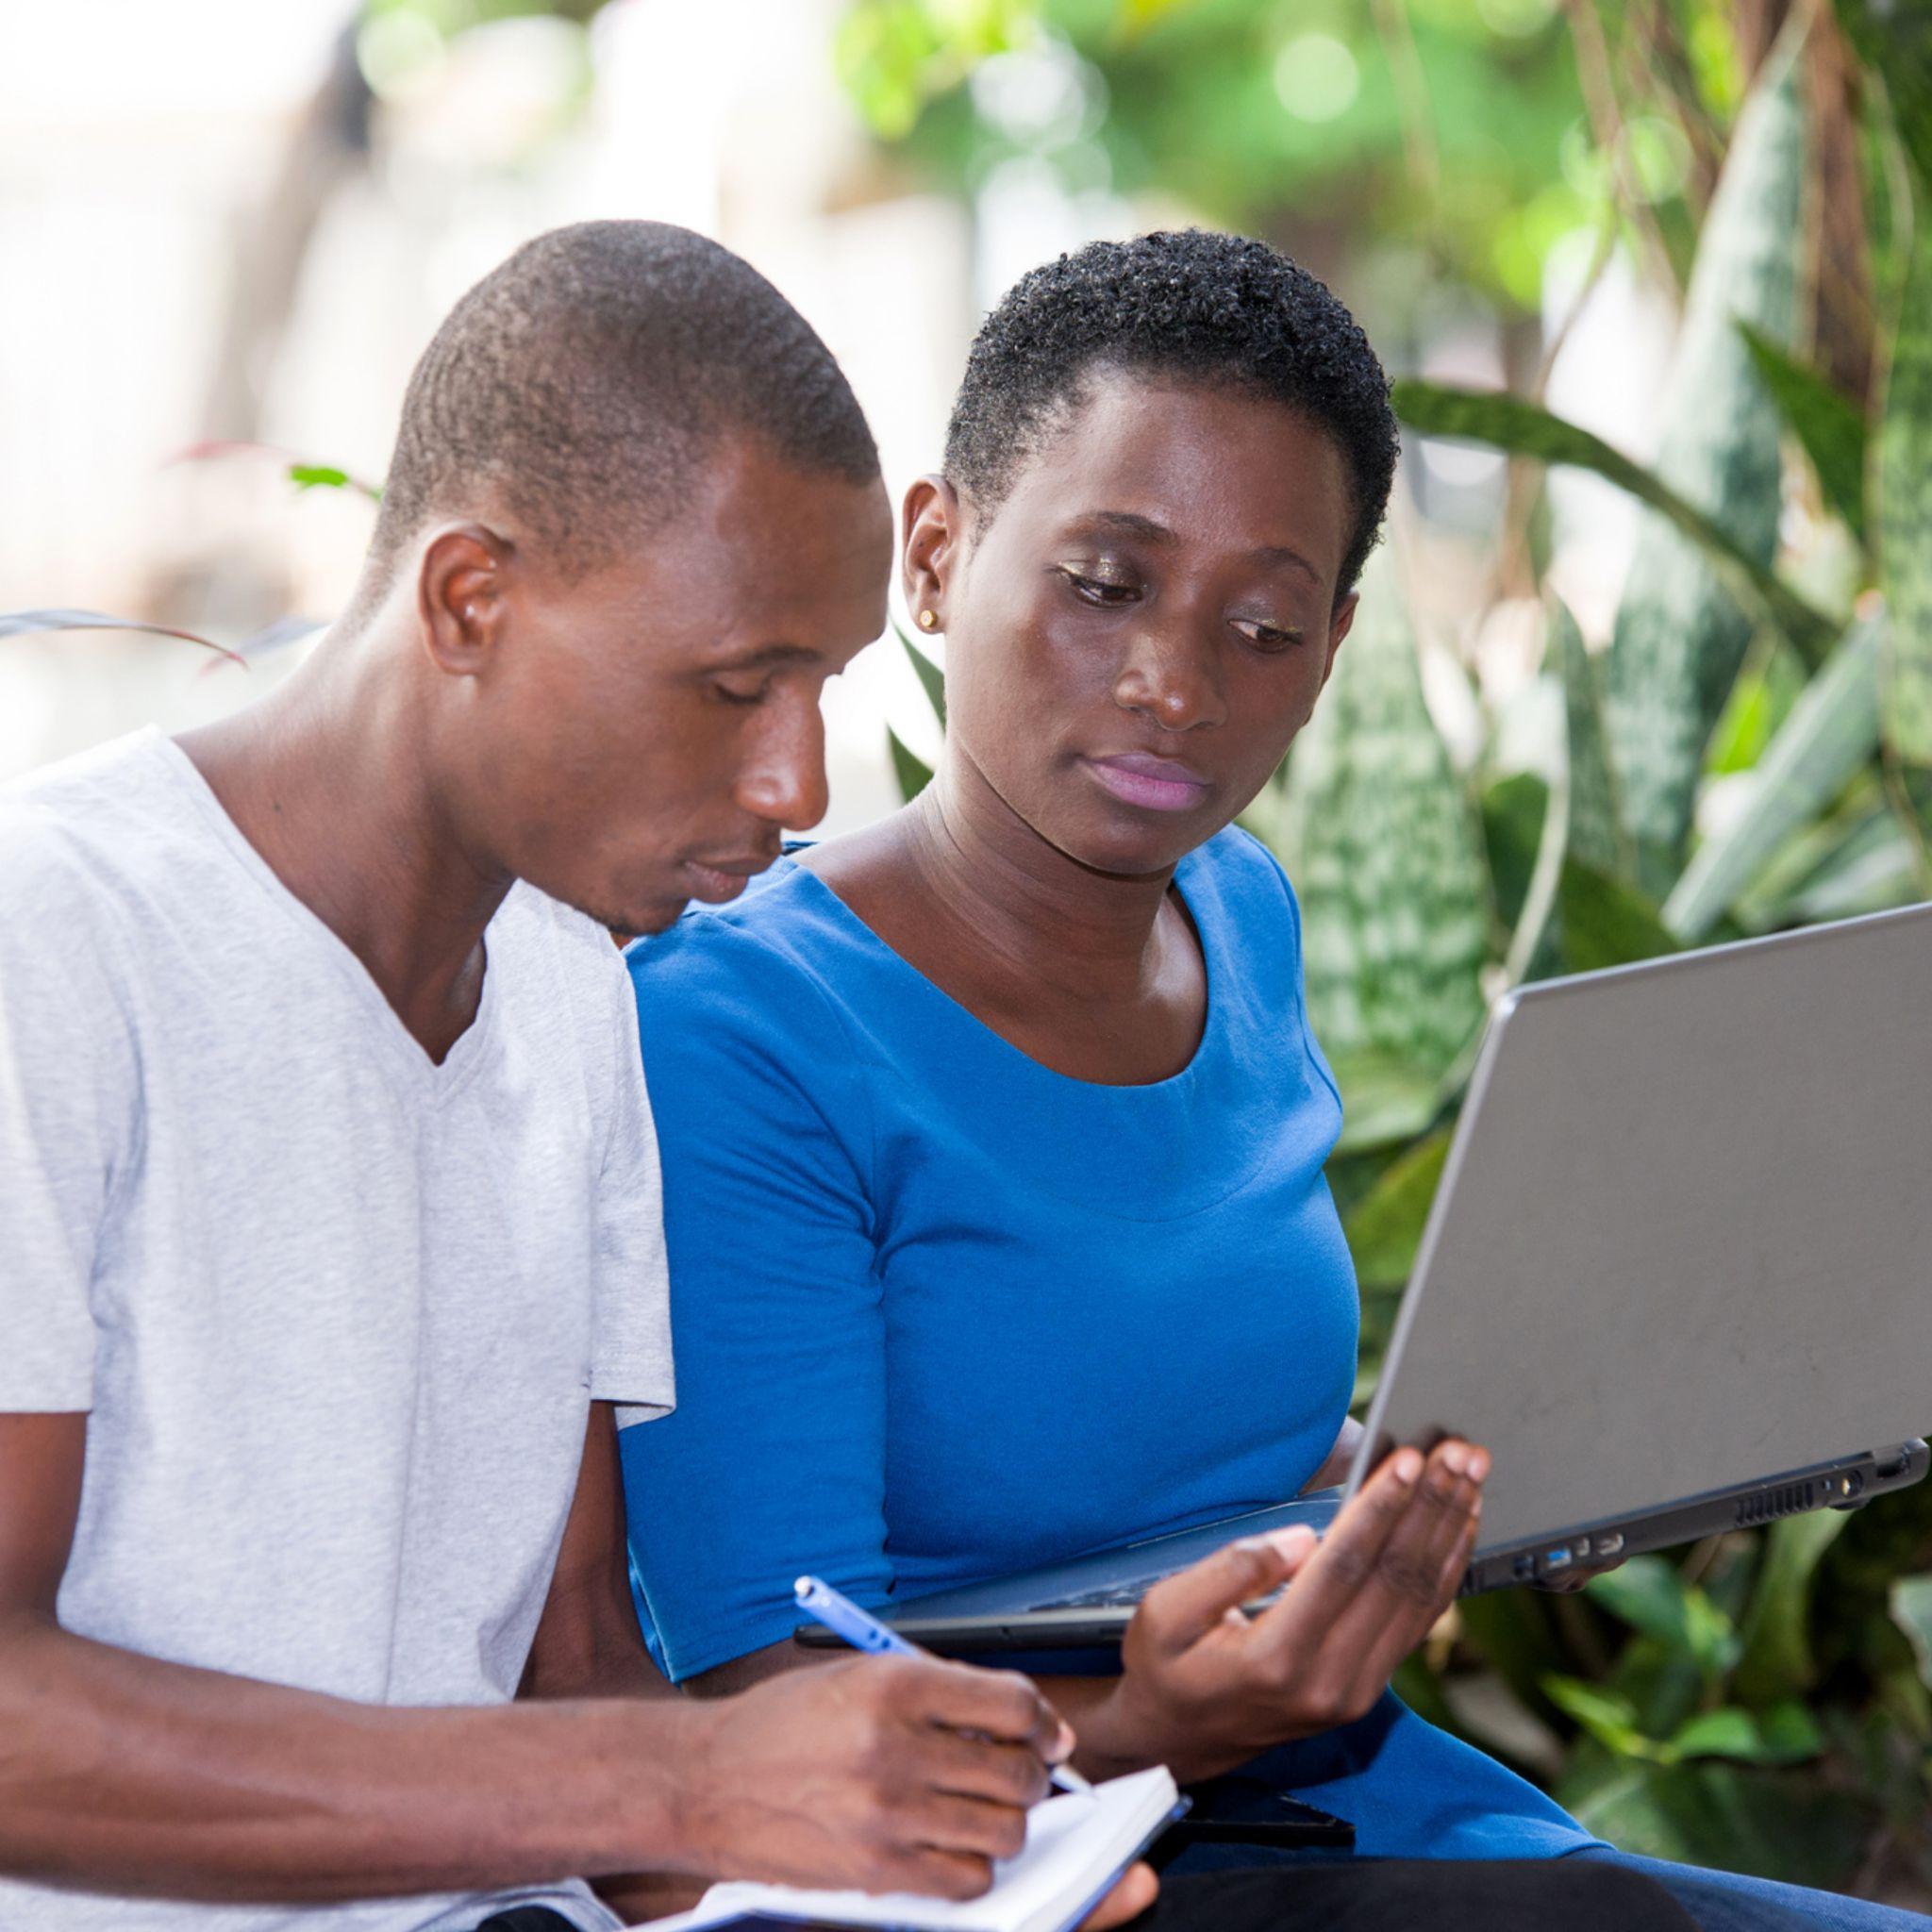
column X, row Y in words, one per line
column 993, row 1135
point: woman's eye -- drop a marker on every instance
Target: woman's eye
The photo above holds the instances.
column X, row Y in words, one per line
column 1266, row 637
column 1101, row 590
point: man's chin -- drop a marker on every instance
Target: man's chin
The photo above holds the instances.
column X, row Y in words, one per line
column 639, row 921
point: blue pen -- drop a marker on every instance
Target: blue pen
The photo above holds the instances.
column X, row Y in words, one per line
column 843, row 1618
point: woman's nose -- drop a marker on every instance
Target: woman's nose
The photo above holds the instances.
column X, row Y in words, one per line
column 1173, row 681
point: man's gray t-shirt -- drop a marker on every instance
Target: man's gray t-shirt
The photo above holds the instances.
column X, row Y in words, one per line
column 337, row 1312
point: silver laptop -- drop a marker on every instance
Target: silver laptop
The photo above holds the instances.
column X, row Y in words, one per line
column 1677, row 1277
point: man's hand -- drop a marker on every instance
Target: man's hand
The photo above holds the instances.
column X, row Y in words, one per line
column 879, row 1773
column 1205, row 1686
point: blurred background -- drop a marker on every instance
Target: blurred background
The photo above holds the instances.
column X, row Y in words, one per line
column 1645, row 664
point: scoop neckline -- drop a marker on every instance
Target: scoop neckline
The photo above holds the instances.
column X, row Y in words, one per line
column 1212, row 965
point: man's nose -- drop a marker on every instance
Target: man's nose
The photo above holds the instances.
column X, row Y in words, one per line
column 1172, row 676
column 784, row 781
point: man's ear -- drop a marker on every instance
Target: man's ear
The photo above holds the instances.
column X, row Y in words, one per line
column 462, row 581
column 1338, row 627
column 931, row 541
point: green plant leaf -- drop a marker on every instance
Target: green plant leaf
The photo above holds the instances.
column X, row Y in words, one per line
column 1895, row 36
column 1606, row 923
column 1826, row 421
column 913, row 772
column 1831, row 732
column 1385, row 1226
column 1739, row 1818
column 1905, row 521
column 1911, row 1611
column 1379, row 840
column 1594, row 830
column 1648, row 1595
column 1726, row 1733
column 1527, row 430
column 1776, row 1659
column 932, row 680
column 1681, row 633
column 1383, row 1099
column 1609, row 1718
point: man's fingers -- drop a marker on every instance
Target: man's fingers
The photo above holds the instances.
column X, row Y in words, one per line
column 1180, row 1611
column 983, row 1767
column 1001, row 1704
column 974, row 1825
column 934, row 1874
column 1137, row 1891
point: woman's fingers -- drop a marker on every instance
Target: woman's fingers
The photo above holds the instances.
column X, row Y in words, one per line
column 1137, row 1891
column 1421, row 1570
column 1180, row 1611
column 1351, row 1553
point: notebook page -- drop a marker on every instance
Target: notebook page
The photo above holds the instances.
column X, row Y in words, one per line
column 1073, row 1843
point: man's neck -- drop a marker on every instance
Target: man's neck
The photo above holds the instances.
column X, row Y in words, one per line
column 1054, row 921
column 330, row 779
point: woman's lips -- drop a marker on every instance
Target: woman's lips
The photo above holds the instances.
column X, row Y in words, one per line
column 1141, row 778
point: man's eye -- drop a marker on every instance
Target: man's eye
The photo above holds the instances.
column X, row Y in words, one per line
column 1105, row 592
column 1266, row 637
column 741, row 690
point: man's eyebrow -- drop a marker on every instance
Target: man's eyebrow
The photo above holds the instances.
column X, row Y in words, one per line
column 1130, row 522
column 762, row 656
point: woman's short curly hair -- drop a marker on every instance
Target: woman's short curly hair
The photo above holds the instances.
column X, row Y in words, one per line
column 1188, row 303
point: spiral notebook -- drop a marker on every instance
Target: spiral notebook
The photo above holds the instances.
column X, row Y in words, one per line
column 1076, row 1847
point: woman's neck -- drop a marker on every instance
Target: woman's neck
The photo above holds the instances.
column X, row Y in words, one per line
column 1028, row 905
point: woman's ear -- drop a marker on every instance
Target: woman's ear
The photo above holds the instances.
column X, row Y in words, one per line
column 931, row 533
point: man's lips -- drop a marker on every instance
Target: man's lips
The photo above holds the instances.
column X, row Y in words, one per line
column 717, row 880
column 1143, row 779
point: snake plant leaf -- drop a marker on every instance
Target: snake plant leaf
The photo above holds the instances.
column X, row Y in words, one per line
column 1527, row 430
column 1823, row 419
column 1605, row 922
column 1777, row 1659
column 1911, row 1611
column 912, row 774
column 932, row 680
column 1681, row 634
column 1595, row 832
column 1379, row 841
column 1384, row 1228
column 20, row 624
column 1905, row 521
column 1831, row 732
column 1894, row 38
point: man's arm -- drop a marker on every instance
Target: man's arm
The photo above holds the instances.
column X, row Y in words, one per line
column 121, row 1773
column 587, row 1643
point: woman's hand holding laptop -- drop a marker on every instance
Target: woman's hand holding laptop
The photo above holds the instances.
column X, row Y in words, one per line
column 1205, row 1685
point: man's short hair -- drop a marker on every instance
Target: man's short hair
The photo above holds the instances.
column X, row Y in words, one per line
column 1187, row 305
column 584, row 383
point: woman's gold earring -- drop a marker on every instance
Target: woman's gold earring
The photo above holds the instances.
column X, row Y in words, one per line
column 928, row 620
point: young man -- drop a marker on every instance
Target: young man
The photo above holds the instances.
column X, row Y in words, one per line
column 331, row 1195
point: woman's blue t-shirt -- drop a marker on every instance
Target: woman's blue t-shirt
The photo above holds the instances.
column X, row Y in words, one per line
column 942, row 1313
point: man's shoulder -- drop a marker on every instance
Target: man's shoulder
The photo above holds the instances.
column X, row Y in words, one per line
column 78, row 837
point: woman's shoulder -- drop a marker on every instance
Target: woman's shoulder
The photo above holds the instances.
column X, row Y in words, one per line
column 1235, row 877
column 774, row 964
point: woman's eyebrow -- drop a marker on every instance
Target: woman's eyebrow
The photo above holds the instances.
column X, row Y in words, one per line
column 1130, row 522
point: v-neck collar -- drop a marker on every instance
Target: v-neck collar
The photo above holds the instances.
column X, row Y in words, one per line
column 438, row 1080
